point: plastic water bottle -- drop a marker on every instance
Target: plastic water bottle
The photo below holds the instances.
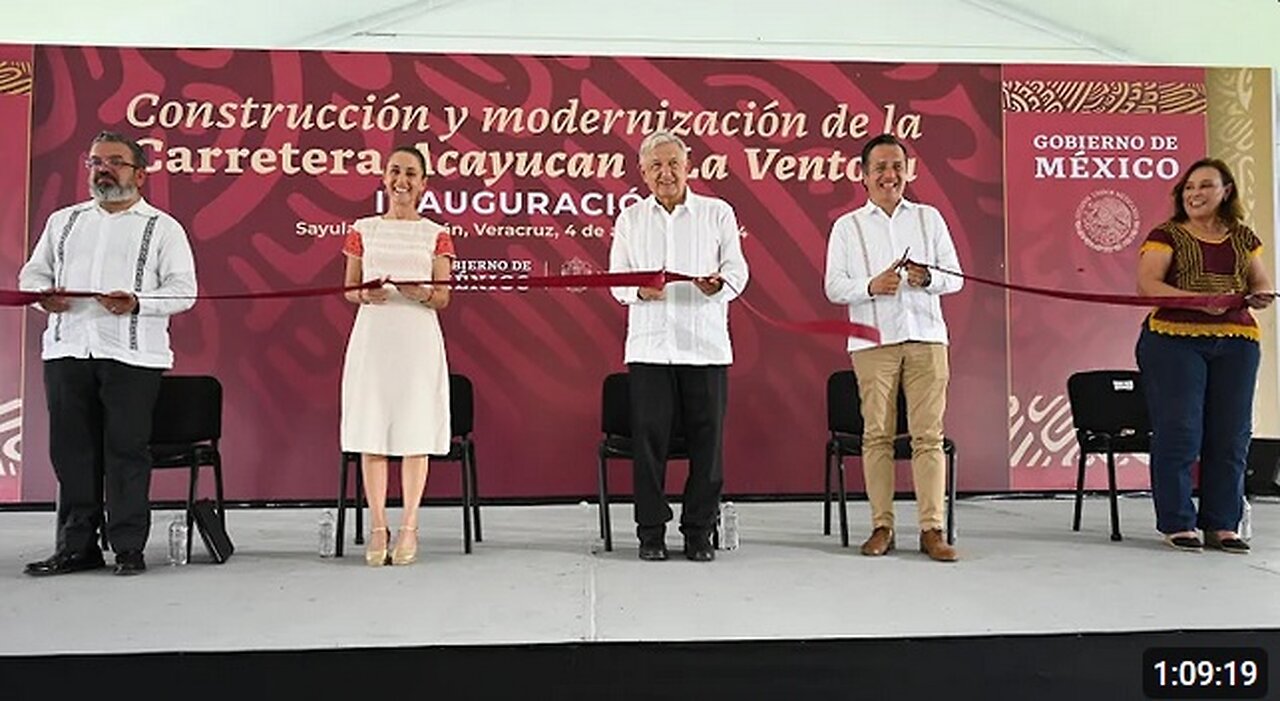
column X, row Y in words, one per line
column 328, row 546
column 589, row 523
column 728, row 526
column 1246, row 521
column 178, row 541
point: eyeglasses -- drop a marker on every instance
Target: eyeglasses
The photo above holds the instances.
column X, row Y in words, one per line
column 112, row 162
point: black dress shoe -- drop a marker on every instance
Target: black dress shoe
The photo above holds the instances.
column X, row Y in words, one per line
column 65, row 563
column 130, row 562
column 1188, row 543
column 1232, row 544
column 699, row 548
column 654, row 551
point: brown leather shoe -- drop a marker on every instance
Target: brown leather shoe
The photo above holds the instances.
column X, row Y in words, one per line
column 880, row 542
column 934, row 544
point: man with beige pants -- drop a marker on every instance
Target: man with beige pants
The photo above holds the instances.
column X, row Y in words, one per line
column 870, row 250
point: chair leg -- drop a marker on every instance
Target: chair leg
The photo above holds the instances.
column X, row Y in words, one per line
column 1115, row 506
column 219, row 497
column 606, row 524
column 339, row 536
column 826, row 494
column 951, row 498
column 191, row 502
column 600, row 490
column 1075, row 521
column 360, row 501
column 844, row 503
column 466, row 503
column 475, row 489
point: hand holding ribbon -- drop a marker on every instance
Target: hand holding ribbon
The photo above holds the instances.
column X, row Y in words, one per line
column 1259, row 300
column 709, row 284
column 118, row 302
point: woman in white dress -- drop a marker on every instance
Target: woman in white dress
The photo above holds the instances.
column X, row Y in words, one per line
column 395, row 380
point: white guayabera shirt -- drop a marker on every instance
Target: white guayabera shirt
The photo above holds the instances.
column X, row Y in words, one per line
column 699, row 237
column 141, row 250
column 864, row 243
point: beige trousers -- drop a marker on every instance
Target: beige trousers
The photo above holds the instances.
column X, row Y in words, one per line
column 923, row 371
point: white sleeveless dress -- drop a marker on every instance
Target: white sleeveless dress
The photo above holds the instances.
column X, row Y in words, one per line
column 395, row 379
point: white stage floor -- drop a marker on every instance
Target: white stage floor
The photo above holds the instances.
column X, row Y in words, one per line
column 540, row 576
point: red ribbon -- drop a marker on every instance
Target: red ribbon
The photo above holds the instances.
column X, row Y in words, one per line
column 18, row 298
column 659, row 278
column 821, row 327
column 651, row 278
column 824, row 327
column 654, row 278
column 1228, row 301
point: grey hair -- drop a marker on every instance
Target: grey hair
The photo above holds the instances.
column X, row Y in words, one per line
column 659, row 138
column 111, row 137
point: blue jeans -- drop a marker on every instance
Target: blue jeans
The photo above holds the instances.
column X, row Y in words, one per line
column 1200, row 399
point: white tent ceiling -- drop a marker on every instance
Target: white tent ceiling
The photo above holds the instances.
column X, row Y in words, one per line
column 1195, row 32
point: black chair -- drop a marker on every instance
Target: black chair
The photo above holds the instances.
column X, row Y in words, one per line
column 1262, row 468
column 185, row 430
column 844, row 422
column 462, row 450
column 1109, row 412
column 615, row 423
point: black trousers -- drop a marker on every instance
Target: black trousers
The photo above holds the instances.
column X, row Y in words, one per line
column 692, row 398
column 99, row 435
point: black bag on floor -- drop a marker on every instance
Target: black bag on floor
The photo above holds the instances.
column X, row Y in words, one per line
column 212, row 533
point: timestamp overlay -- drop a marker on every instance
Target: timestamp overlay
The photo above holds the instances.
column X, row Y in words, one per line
column 1205, row 673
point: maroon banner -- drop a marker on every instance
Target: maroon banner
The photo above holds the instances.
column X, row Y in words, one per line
column 16, row 77
column 267, row 156
column 1048, row 176
column 1091, row 158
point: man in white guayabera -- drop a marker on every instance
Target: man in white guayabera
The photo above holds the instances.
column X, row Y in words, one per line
column 872, row 251
column 678, row 350
column 103, row 355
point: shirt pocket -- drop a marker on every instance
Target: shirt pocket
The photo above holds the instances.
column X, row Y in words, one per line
column 113, row 331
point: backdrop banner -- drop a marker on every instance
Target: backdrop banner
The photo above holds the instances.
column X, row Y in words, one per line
column 1091, row 157
column 15, row 113
column 1046, row 175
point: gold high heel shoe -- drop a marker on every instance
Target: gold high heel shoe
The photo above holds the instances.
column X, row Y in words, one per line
column 406, row 550
column 377, row 557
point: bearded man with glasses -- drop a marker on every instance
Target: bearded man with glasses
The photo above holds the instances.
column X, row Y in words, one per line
column 103, row 355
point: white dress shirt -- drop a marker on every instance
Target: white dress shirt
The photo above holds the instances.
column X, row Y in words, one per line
column 86, row 248
column 864, row 243
column 699, row 237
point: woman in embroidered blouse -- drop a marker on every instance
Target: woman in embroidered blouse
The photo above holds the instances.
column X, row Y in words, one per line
column 1199, row 366
column 395, row 379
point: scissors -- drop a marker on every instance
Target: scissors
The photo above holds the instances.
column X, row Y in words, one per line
column 902, row 262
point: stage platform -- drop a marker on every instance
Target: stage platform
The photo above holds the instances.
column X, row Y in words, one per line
column 541, row 578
